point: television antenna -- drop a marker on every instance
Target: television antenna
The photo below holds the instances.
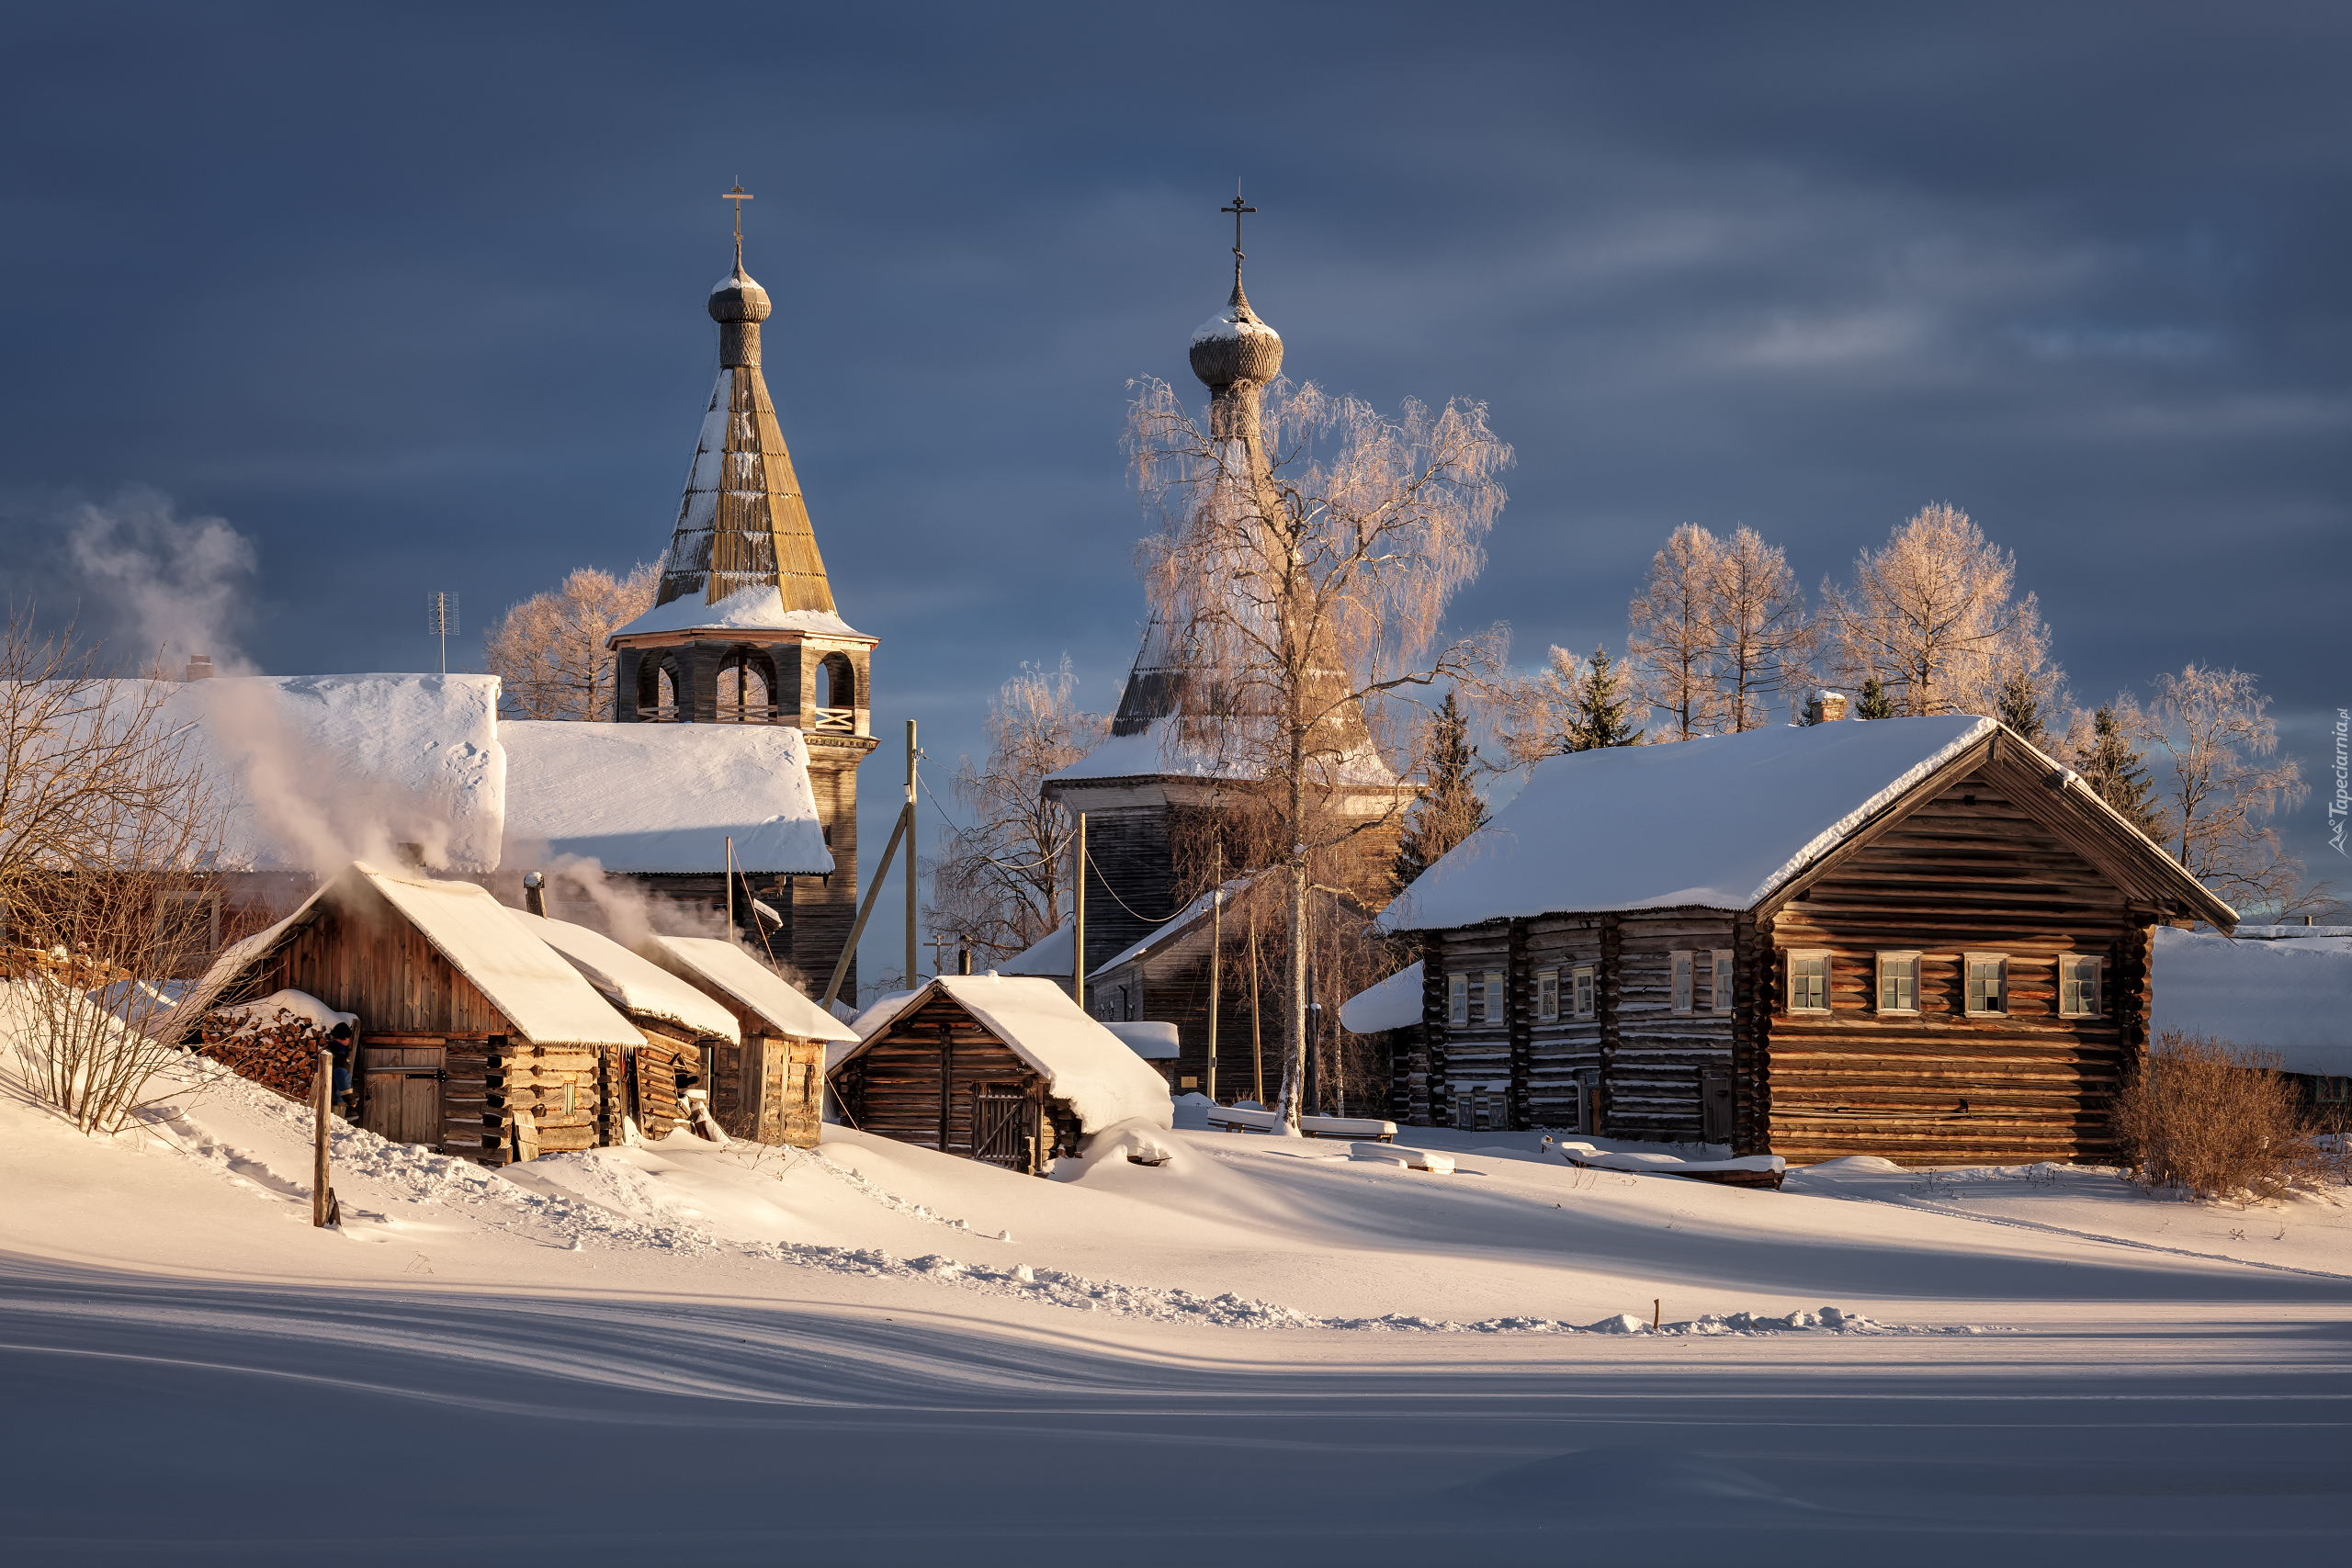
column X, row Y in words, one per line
column 441, row 621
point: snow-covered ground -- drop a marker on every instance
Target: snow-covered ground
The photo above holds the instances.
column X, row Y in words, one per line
column 1259, row 1350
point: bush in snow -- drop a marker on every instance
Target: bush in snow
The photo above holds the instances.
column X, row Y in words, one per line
column 2214, row 1120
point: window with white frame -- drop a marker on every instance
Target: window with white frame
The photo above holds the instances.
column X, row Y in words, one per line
column 1547, row 996
column 1988, row 984
column 2081, row 986
column 1580, row 982
column 1457, row 1003
column 1723, row 979
column 1898, row 982
column 1486, row 1000
column 1703, row 981
column 1808, row 982
column 1684, row 982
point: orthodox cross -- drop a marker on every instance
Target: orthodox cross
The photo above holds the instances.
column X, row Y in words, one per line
column 739, row 196
column 1236, row 210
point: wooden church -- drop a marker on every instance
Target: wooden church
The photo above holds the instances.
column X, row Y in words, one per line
column 1915, row 938
column 744, row 631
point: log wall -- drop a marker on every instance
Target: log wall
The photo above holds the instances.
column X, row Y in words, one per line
column 891, row 1088
column 1971, row 870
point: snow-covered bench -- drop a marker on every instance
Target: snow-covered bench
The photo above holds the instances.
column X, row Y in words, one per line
column 1238, row 1119
column 1405, row 1155
column 1747, row 1171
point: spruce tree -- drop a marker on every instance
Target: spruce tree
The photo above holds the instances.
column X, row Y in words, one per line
column 2020, row 709
column 1875, row 703
column 2113, row 770
column 1603, row 713
column 1449, row 810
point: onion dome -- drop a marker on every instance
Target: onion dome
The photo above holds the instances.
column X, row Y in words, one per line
column 738, row 297
column 1234, row 347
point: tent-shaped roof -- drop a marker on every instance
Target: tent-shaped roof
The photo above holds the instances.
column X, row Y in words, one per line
column 628, row 982
column 2291, row 998
column 1082, row 1062
column 1727, row 821
column 540, row 994
column 727, row 971
column 656, row 798
column 1049, row 954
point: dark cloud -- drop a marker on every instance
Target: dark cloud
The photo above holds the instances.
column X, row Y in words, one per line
column 413, row 296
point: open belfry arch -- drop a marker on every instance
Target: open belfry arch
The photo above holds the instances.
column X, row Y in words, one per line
column 744, row 629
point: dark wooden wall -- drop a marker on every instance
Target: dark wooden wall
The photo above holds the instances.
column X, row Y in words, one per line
column 1970, row 870
column 891, row 1088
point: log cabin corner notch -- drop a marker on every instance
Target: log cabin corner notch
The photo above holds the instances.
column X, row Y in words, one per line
column 1919, row 938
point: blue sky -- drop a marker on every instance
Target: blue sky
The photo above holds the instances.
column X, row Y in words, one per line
column 411, row 297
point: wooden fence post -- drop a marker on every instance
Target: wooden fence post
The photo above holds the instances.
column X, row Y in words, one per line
column 322, row 1099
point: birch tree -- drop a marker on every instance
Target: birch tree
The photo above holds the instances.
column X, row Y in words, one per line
column 2215, row 727
column 1933, row 617
column 1762, row 640
column 548, row 652
column 1670, row 641
column 1304, row 574
column 998, row 888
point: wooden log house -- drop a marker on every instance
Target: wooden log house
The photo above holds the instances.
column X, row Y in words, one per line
column 680, row 1030
column 475, row 1038
column 770, row 1089
column 1918, row 938
column 1003, row 1069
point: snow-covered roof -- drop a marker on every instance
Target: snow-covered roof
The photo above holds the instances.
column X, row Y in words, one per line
column 2290, row 998
column 1168, row 931
column 1394, row 1003
column 1152, row 1041
column 1050, row 954
column 540, row 994
column 653, row 797
column 1083, row 1064
column 755, row 609
column 734, row 975
column 628, row 982
column 319, row 770
column 1719, row 822
column 1230, row 322
column 2295, row 934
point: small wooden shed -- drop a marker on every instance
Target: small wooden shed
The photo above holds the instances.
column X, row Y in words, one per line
column 475, row 1038
column 999, row 1068
column 770, row 1088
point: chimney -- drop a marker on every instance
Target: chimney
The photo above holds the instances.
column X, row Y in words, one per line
column 534, row 893
column 963, row 961
column 199, row 667
column 1827, row 708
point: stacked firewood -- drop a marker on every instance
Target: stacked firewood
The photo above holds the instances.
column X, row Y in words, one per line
column 280, row 1052
column 78, row 970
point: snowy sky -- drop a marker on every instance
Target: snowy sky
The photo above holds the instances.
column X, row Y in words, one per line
column 413, row 299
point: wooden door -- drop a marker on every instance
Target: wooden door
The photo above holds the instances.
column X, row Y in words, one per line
column 1002, row 1125
column 1714, row 1106
column 401, row 1097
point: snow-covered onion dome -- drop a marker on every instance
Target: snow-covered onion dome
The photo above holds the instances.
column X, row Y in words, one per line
column 1234, row 346
column 738, row 305
column 738, row 297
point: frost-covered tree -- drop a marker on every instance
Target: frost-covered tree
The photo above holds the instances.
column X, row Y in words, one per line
column 1762, row 640
column 2215, row 727
column 1301, row 568
column 1934, row 618
column 998, row 886
column 548, row 652
column 1672, row 633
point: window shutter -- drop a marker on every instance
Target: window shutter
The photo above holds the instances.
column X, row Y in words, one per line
column 1723, row 979
column 1682, row 982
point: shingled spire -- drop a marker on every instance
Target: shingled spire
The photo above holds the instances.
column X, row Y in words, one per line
column 742, row 523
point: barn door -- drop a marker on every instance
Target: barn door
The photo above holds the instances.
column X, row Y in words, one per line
column 1000, row 1126
column 401, row 1098
column 1714, row 1106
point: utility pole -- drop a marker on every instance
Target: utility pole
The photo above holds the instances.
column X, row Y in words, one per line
column 1077, row 922
column 441, row 621
column 1216, row 931
column 914, row 951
